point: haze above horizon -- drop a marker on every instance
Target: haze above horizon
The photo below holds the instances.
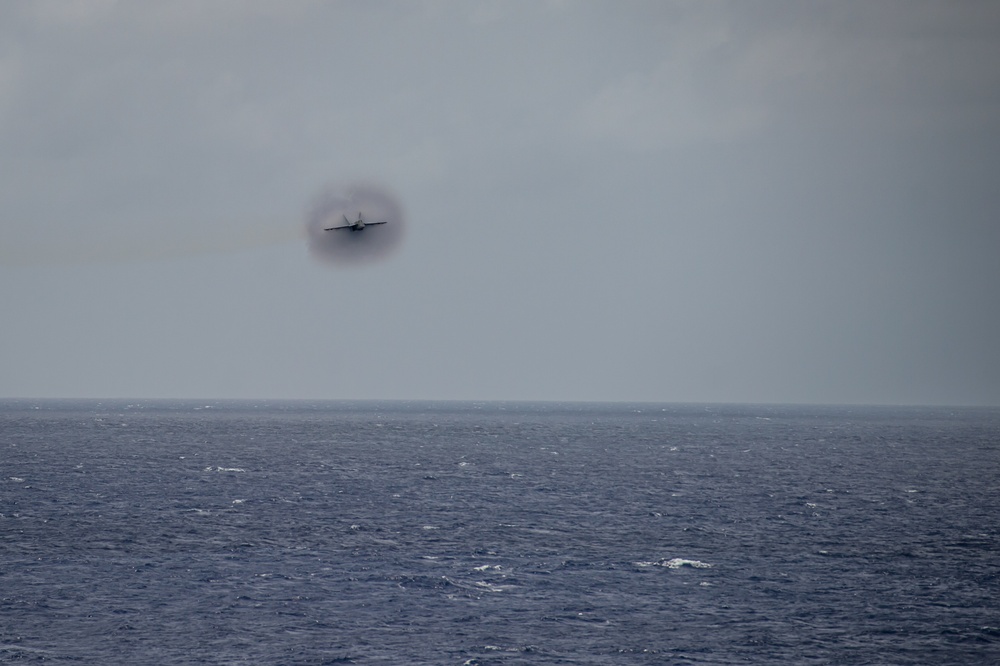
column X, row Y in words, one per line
column 663, row 202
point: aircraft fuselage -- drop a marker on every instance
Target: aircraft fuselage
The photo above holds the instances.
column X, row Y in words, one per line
column 353, row 226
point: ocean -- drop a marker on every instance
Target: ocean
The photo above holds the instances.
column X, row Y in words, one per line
column 497, row 533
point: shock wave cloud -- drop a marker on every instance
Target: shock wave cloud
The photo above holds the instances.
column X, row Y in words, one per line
column 345, row 247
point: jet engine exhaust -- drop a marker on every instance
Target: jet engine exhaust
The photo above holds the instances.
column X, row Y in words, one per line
column 345, row 247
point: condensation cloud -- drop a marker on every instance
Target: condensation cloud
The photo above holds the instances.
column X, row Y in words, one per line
column 351, row 248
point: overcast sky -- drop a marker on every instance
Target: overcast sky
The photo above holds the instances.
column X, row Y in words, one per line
column 615, row 201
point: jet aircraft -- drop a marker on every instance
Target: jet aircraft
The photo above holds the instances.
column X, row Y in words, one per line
column 353, row 226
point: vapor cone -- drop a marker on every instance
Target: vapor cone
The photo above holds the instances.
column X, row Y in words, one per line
column 347, row 247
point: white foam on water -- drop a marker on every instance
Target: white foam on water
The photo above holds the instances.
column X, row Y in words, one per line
column 676, row 563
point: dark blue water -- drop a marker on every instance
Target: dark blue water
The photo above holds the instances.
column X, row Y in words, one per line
column 301, row 533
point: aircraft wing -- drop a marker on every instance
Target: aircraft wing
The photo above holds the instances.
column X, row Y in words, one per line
column 368, row 224
column 343, row 226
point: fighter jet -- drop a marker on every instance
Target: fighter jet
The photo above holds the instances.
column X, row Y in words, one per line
column 353, row 226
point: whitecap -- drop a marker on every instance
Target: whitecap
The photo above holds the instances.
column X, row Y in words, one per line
column 488, row 567
column 509, row 648
column 676, row 563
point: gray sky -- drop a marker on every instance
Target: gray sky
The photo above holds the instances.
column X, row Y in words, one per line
column 662, row 201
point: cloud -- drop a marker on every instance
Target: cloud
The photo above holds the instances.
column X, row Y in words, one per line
column 648, row 111
column 726, row 71
column 346, row 247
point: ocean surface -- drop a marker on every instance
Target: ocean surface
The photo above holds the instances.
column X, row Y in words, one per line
column 497, row 533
